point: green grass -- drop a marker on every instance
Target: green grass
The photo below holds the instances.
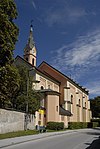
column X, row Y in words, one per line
column 18, row 134
column 25, row 133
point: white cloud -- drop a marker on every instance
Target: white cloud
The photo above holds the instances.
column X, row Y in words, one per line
column 94, row 88
column 33, row 4
column 64, row 15
column 81, row 59
column 84, row 51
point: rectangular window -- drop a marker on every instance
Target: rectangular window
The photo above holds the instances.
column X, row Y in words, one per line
column 40, row 116
column 57, row 108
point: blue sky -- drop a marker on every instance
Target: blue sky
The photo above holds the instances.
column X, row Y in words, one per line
column 67, row 36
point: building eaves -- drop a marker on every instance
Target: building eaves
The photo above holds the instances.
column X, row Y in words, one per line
column 48, row 91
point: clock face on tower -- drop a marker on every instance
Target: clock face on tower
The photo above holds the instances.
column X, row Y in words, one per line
column 33, row 51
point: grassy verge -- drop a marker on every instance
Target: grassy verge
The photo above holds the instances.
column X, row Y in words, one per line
column 23, row 133
column 18, row 134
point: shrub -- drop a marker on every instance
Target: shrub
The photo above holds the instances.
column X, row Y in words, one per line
column 55, row 125
column 96, row 120
column 77, row 125
column 95, row 124
column 92, row 124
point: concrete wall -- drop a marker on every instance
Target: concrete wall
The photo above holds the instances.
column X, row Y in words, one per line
column 13, row 121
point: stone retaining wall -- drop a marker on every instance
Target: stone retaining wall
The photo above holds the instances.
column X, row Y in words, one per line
column 13, row 121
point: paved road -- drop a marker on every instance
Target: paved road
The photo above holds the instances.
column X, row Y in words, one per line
column 77, row 140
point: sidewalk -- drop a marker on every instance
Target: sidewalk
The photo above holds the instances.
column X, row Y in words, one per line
column 17, row 140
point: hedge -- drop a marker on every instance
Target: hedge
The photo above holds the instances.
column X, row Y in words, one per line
column 80, row 125
column 77, row 125
column 93, row 124
column 55, row 125
column 96, row 120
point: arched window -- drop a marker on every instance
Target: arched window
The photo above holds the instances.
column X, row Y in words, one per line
column 71, row 98
column 48, row 86
column 33, row 61
column 79, row 102
column 42, row 87
column 85, row 104
column 57, row 108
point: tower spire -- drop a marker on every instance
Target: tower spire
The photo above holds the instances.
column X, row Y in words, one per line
column 30, row 49
column 31, row 42
column 31, row 26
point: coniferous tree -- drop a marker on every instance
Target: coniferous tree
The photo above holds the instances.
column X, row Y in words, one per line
column 9, row 77
column 8, row 31
column 9, row 85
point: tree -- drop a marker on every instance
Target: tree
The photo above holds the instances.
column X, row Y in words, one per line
column 9, row 85
column 9, row 77
column 33, row 97
column 33, row 102
column 95, row 106
column 8, row 31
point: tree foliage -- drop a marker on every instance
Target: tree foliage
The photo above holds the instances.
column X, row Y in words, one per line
column 13, row 82
column 33, row 102
column 9, row 76
column 13, row 89
column 95, row 106
column 8, row 31
column 33, row 97
column 9, row 85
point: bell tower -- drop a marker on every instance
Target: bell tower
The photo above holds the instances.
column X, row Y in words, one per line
column 30, row 49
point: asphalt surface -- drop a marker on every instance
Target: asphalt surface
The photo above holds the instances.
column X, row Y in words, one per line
column 70, row 139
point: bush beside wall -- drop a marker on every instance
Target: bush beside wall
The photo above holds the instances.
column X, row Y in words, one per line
column 96, row 120
column 55, row 125
column 77, row 125
column 92, row 124
column 80, row 125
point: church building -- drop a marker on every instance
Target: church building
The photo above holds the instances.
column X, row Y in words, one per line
column 62, row 100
